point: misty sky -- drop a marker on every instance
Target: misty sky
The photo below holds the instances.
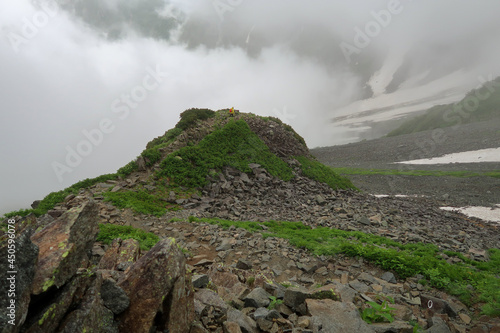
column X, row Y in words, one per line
column 104, row 77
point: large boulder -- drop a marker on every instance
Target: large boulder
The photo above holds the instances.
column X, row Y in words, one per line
column 63, row 245
column 91, row 314
column 160, row 293
column 120, row 255
column 337, row 316
column 16, row 250
column 46, row 314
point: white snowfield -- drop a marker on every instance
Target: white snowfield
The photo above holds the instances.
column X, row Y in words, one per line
column 474, row 156
column 483, row 213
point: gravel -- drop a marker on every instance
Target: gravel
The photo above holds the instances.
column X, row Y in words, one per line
column 445, row 190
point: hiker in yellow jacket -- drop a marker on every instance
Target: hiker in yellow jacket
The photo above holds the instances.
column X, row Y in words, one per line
column 231, row 112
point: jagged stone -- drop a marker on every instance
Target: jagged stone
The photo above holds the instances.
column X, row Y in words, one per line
column 63, row 245
column 247, row 324
column 200, row 280
column 49, row 316
column 157, row 283
column 121, row 254
column 438, row 326
column 13, row 315
column 257, row 298
column 231, row 327
column 437, row 305
column 389, row 277
column 243, row 264
column 395, row 326
column 91, row 315
column 114, row 297
column 295, row 297
column 337, row 316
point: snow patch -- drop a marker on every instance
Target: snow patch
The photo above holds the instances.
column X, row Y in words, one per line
column 484, row 213
column 475, row 156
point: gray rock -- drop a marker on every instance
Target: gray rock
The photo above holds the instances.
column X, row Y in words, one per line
column 395, row 326
column 438, row 305
column 114, row 297
column 320, row 200
column 260, row 313
column 26, row 259
column 295, row 297
column 366, row 277
column 257, row 298
column 200, row 280
column 273, row 314
column 438, row 326
column 359, row 286
column 389, row 277
column 224, row 246
column 247, row 324
column 243, row 264
column 337, row 316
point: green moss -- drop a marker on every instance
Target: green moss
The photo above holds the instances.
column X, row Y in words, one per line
column 140, row 201
column 324, row 174
column 48, row 283
column 234, row 145
column 50, row 313
column 54, row 198
column 404, row 259
column 191, row 116
column 65, row 254
column 109, row 232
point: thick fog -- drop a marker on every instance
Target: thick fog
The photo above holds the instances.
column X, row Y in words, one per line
column 85, row 84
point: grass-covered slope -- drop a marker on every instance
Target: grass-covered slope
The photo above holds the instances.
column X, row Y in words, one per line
column 230, row 142
column 234, row 145
column 474, row 282
column 478, row 105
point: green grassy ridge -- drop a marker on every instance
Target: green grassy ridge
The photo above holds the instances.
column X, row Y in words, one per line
column 233, row 145
column 436, row 173
column 146, row 202
column 54, row 198
column 140, row 202
column 404, row 259
column 323, row 174
column 109, row 232
column 442, row 116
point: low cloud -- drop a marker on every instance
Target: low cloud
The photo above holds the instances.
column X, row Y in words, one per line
column 62, row 78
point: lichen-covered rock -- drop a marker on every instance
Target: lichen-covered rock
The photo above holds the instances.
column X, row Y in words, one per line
column 63, row 245
column 114, row 297
column 120, row 255
column 160, row 292
column 48, row 314
column 91, row 315
column 17, row 284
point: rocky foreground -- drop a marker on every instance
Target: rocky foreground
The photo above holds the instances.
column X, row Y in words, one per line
column 233, row 280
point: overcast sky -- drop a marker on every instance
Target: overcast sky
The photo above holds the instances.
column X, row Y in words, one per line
column 99, row 79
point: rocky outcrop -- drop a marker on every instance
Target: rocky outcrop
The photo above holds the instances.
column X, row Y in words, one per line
column 66, row 283
column 63, row 245
column 160, row 295
column 19, row 257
